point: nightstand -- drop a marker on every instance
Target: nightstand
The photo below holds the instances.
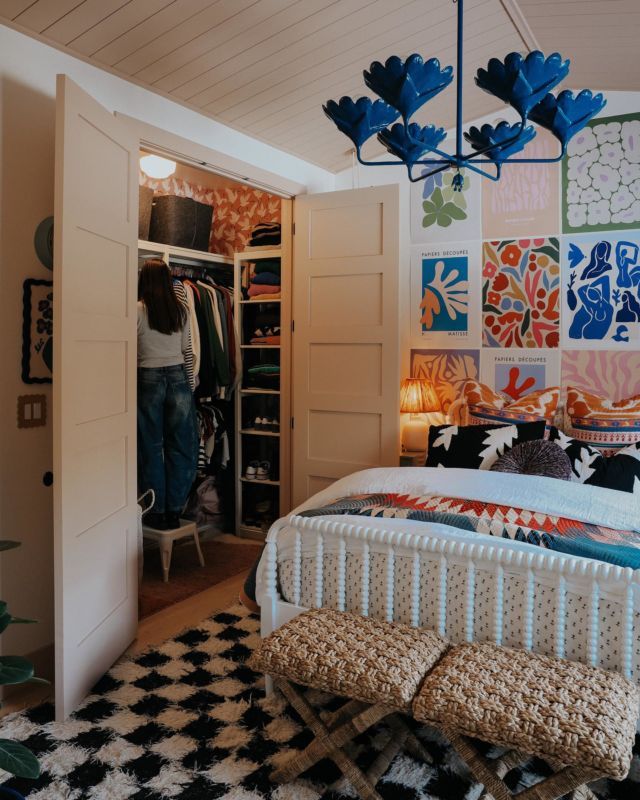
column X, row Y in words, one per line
column 412, row 458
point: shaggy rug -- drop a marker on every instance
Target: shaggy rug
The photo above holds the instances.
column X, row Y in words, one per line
column 187, row 577
column 187, row 720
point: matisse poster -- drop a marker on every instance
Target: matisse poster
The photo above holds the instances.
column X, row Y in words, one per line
column 601, row 291
column 447, row 370
column 526, row 198
column 516, row 373
column 439, row 213
column 444, row 278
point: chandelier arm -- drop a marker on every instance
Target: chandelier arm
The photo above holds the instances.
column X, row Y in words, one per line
column 484, row 173
column 532, row 160
column 506, row 143
column 416, row 142
column 427, row 174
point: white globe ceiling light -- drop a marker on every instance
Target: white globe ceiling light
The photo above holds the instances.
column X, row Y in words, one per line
column 157, row 167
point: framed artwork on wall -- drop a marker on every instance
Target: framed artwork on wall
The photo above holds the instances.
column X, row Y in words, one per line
column 37, row 331
column 445, row 286
column 446, row 370
column 601, row 176
column 516, row 373
column 440, row 214
column 608, row 373
column 601, row 291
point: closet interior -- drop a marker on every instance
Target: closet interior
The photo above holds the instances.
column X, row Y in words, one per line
column 228, row 248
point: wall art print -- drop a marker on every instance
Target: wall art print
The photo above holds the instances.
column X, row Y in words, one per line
column 526, row 198
column 520, row 293
column 445, row 279
column 516, row 373
column 438, row 214
column 601, row 176
column 601, row 291
column 608, row 373
column 447, row 370
column 37, row 331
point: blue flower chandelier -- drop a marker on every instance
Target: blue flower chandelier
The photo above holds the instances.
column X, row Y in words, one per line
column 524, row 83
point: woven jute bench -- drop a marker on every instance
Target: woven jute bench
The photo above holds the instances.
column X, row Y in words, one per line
column 378, row 665
column 579, row 719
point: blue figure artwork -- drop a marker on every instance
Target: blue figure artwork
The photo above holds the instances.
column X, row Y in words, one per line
column 593, row 319
column 629, row 310
column 598, row 263
column 626, row 257
column 621, row 334
column 445, row 294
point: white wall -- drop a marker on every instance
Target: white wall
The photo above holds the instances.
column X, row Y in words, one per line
column 28, row 74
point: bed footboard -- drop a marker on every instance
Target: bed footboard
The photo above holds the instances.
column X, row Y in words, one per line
column 467, row 587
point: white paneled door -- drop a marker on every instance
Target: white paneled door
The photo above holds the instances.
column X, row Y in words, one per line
column 96, row 190
column 346, row 364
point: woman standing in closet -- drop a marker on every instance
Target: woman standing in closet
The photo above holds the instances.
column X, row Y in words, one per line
column 167, row 428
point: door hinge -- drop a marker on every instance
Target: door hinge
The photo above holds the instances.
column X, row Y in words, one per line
column 293, row 228
column 292, row 423
column 293, row 325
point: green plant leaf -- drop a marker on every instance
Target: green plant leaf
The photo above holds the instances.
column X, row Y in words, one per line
column 524, row 327
column 448, row 193
column 459, row 199
column 552, row 252
column 429, row 220
column 6, row 619
column 444, row 220
column 18, row 760
column 436, row 198
column 3, row 606
column 14, row 669
column 429, row 207
column 7, row 544
column 453, row 211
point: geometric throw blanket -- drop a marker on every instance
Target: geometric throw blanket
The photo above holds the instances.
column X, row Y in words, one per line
column 188, row 720
column 538, row 528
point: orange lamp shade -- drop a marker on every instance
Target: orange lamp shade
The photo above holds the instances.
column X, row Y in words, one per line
column 418, row 397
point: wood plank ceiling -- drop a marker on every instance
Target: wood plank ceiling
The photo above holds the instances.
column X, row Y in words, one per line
column 266, row 66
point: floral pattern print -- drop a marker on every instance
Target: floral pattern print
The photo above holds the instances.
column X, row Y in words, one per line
column 521, row 293
column 601, row 176
column 442, row 205
column 447, row 370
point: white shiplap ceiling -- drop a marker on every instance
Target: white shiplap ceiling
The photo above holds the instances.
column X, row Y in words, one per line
column 266, row 66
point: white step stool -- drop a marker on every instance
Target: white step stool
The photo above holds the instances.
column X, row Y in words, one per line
column 165, row 540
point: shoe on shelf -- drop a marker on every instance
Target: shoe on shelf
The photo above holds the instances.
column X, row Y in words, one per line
column 252, row 470
column 263, row 473
column 272, row 425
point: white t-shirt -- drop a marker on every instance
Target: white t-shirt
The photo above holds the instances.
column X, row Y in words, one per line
column 157, row 349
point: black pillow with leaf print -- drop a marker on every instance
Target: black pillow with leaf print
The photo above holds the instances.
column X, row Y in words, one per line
column 477, row 446
column 620, row 471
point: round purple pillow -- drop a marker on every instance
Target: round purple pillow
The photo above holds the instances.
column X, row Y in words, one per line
column 538, row 457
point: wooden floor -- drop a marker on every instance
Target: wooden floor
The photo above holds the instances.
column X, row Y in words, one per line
column 151, row 631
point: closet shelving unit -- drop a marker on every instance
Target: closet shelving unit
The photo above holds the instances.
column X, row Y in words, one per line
column 277, row 443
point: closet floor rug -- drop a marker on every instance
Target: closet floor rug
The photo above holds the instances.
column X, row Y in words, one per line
column 187, row 720
column 186, row 576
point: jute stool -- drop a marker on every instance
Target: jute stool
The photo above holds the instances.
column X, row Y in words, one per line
column 377, row 665
column 579, row 719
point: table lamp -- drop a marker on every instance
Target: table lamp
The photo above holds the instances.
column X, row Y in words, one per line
column 417, row 396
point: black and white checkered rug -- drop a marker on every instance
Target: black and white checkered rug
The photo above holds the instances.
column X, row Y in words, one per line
column 187, row 720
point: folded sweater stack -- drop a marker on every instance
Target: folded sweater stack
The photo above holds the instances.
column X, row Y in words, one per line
column 265, row 282
column 265, row 234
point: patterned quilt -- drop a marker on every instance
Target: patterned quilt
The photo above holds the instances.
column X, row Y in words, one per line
column 618, row 547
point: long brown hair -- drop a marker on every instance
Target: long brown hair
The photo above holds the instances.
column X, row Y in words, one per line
column 165, row 312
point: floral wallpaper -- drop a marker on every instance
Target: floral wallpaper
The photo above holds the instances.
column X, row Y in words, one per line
column 521, row 293
column 235, row 210
column 601, row 176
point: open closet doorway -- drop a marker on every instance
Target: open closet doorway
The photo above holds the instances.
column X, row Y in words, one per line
column 96, row 250
column 222, row 243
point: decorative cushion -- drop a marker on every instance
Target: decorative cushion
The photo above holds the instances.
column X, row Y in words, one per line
column 599, row 422
column 544, row 706
column 536, row 458
column 620, row 471
column 476, row 446
column 352, row 656
column 486, row 406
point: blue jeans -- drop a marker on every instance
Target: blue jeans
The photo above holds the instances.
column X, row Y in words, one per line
column 167, row 436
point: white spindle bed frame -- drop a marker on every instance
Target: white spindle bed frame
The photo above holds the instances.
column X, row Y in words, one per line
column 592, row 580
